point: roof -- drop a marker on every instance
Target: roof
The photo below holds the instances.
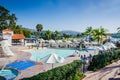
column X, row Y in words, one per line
column 7, row 31
column 18, row 36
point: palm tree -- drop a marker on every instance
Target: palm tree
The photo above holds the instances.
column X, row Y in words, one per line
column 56, row 34
column 103, row 32
column 81, row 44
column 96, row 34
column 88, row 32
column 39, row 28
column 48, row 34
column 99, row 33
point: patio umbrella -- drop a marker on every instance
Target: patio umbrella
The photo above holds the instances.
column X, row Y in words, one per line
column 111, row 45
column 41, row 40
column 99, row 48
column 75, row 40
column 51, row 41
column 68, row 42
column 52, row 58
column 91, row 48
column 59, row 41
column 104, row 47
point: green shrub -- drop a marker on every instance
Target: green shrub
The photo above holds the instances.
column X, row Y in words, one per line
column 101, row 60
column 70, row 71
column 78, row 76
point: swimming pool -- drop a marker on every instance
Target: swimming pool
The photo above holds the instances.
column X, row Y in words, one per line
column 21, row 65
column 8, row 74
column 38, row 54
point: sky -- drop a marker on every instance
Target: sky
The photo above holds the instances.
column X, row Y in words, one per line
column 75, row 15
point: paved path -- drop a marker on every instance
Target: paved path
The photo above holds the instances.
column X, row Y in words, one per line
column 109, row 72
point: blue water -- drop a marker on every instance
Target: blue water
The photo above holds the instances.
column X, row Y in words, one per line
column 21, row 65
column 38, row 54
column 9, row 74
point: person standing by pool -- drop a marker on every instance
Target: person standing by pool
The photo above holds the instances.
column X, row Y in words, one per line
column 37, row 45
column 81, row 57
column 76, row 53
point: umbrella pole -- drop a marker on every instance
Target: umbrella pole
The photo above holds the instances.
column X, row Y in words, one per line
column 52, row 65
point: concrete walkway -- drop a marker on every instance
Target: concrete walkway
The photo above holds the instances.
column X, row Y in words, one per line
column 109, row 72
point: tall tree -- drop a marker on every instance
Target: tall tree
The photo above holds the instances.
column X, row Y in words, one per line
column 78, row 35
column 88, row 32
column 18, row 29
column 6, row 18
column 99, row 33
column 48, row 34
column 66, row 35
column 56, row 34
column 39, row 28
column 12, row 23
column 27, row 33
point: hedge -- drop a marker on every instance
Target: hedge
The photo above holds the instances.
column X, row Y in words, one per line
column 101, row 60
column 70, row 71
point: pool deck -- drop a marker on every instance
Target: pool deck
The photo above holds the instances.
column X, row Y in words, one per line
column 31, row 71
column 34, row 70
column 109, row 72
column 41, row 68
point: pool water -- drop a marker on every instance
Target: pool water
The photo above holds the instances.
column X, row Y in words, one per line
column 38, row 54
column 21, row 65
column 8, row 74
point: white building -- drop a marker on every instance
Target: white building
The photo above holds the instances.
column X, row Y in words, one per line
column 11, row 37
column 7, row 34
